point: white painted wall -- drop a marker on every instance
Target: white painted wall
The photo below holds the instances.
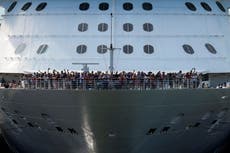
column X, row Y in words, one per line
column 174, row 25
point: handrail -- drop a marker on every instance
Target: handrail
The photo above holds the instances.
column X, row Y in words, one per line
column 109, row 84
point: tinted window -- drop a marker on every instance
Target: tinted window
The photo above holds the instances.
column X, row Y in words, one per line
column 127, row 27
column 103, row 6
column 41, row 6
column 221, row 7
column 190, row 6
column 42, row 49
column 26, row 6
column 148, row 49
column 206, row 6
column 188, row 49
column 84, row 6
column 102, row 27
column 210, row 48
column 83, row 27
column 127, row 6
column 102, row 49
column 81, row 49
column 147, row 6
column 128, row 49
column 12, row 6
column 20, row 48
column 148, row 27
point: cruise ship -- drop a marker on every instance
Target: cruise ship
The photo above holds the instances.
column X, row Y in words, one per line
column 113, row 36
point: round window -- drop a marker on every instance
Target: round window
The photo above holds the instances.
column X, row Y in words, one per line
column 128, row 49
column 102, row 49
column 148, row 49
column 128, row 6
column 81, row 49
column 188, row 49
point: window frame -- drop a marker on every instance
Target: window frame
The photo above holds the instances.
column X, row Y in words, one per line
column 190, row 6
column 147, row 6
column 128, row 6
column 12, row 6
column 206, row 6
column 128, row 27
column 81, row 49
column 20, row 48
column 103, row 6
column 148, row 49
column 26, row 6
column 102, row 27
column 83, row 27
column 128, row 49
column 148, row 27
column 210, row 48
column 188, row 49
column 102, row 49
column 42, row 49
column 84, row 6
column 41, row 6
column 220, row 6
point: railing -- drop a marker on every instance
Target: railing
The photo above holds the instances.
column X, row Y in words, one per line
column 109, row 84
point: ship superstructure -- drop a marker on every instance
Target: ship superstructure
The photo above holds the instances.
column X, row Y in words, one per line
column 115, row 35
column 161, row 35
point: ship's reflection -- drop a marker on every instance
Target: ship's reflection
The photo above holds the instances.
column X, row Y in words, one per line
column 224, row 149
column 3, row 146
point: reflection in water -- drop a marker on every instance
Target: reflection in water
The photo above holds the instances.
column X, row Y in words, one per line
column 88, row 134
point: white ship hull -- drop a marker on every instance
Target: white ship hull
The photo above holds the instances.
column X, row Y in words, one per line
column 154, row 121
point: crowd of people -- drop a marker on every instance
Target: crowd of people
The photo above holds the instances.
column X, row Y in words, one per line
column 104, row 80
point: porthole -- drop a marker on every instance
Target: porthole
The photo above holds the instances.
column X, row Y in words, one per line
column 81, row 49
column 148, row 27
column 102, row 27
column 83, row 27
column 128, row 49
column 190, row 6
column 128, row 27
column 84, row 6
column 147, row 6
column 26, row 6
column 102, row 49
column 42, row 49
column 103, row 6
column 221, row 7
column 148, row 49
column 12, row 6
column 210, row 48
column 206, row 6
column 41, row 6
column 128, row 6
column 20, row 48
column 188, row 49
